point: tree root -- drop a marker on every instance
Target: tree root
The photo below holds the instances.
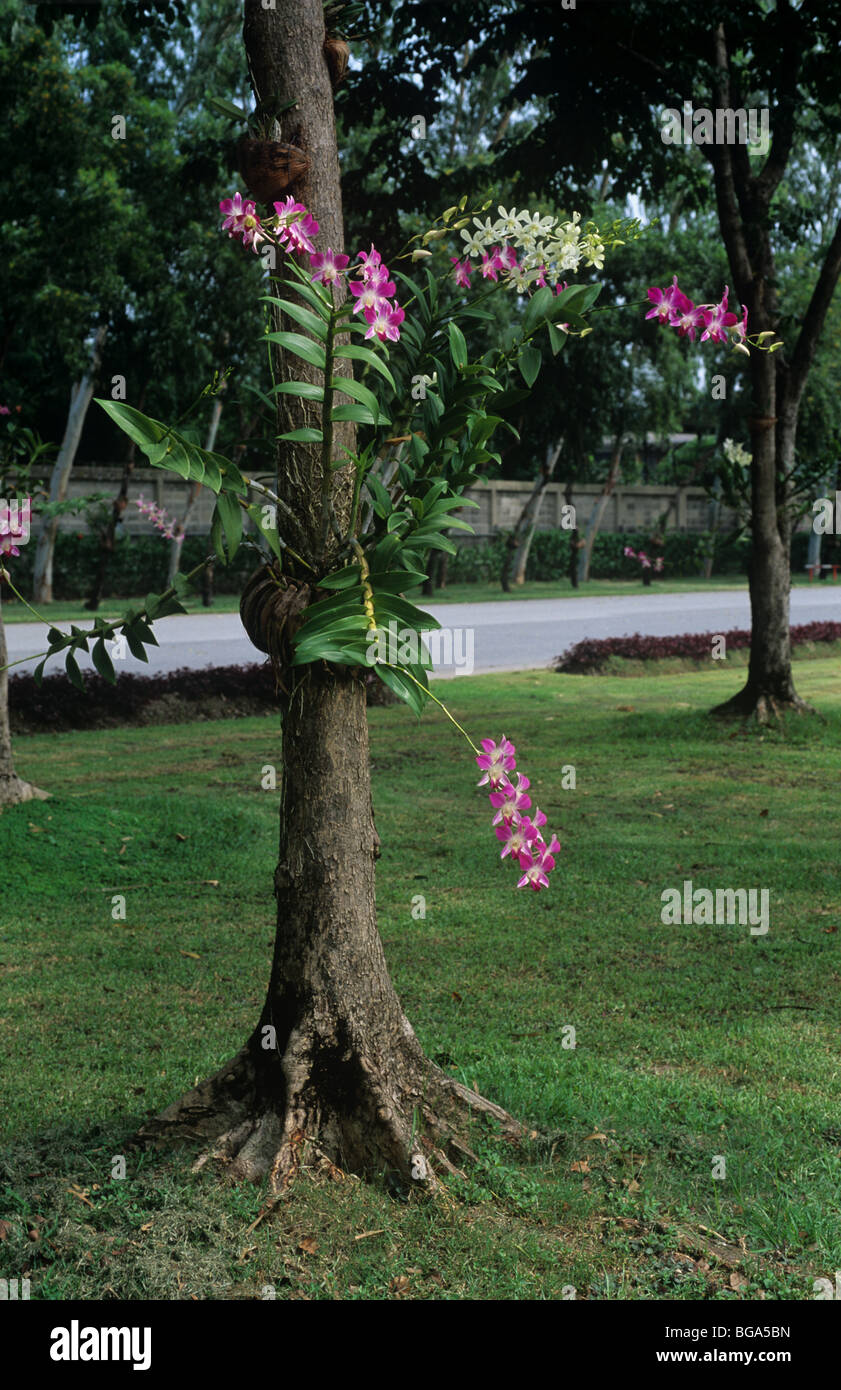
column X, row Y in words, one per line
column 266, row 1118
column 14, row 791
column 766, row 709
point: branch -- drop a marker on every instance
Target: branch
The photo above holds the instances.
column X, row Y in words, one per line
column 791, row 54
column 730, row 204
column 813, row 320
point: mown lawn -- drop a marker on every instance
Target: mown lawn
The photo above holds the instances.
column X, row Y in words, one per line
column 692, row 1043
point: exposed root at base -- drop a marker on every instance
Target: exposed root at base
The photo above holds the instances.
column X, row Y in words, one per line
column 14, row 791
column 765, row 709
column 407, row 1133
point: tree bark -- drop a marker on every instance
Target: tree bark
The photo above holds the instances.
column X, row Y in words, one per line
column 333, row 1063
column 80, row 399
column 518, row 544
column 531, row 512
column 574, row 542
column 175, row 547
column 13, row 789
column 586, row 552
column 777, row 381
column 118, row 508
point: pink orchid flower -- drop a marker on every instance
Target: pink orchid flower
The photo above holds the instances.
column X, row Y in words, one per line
column 370, row 294
column 371, row 264
column 509, row 801
column 295, row 231
column 240, row 219
column 513, row 837
column 666, row 302
column 461, row 272
column 385, row 321
column 491, row 264
column 496, row 761
column 718, row 320
column 328, row 266
column 538, row 865
column 687, row 319
column 519, row 835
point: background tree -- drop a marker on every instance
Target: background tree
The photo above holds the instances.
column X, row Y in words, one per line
column 593, row 88
column 20, row 448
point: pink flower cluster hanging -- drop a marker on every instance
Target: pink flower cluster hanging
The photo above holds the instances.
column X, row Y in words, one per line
column 519, row 834
column 373, row 298
column 674, row 308
column 240, row 219
column 502, row 260
column 158, row 518
column 644, row 560
column 14, row 525
column 294, row 227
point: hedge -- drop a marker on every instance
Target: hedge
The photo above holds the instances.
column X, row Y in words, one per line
column 138, row 565
column 213, row 692
column 591, row 655
column 683, row 554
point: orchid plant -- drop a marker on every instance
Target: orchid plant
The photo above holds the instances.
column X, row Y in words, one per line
column 428, row 410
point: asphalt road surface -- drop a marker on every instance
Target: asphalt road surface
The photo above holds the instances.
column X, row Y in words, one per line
column 517, row 635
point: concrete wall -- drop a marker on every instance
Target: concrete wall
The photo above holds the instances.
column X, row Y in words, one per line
column 630, row 508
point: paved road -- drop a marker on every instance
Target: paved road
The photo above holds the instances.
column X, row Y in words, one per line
column 512, row 636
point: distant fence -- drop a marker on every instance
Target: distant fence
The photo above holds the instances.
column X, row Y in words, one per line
column 634, row 507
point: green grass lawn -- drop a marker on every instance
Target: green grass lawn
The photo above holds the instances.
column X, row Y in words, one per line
column 692, row 1042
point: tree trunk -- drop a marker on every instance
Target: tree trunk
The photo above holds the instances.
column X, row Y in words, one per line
column 208, row 592
column 574, row 542
column 714, row 513
column 333, row 1062
column 175, row 547
column 531, row 513
column 12, row 788
column 770, row 686
column 743, row 200
column 518, row 544
column 435, row 566
column 598, row 511
column 118, row 508
column 80, row 399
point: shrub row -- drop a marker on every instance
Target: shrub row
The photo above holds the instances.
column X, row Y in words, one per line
column 591, row 655
column 218, row 692
column 138, row 565
column 683, row 553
